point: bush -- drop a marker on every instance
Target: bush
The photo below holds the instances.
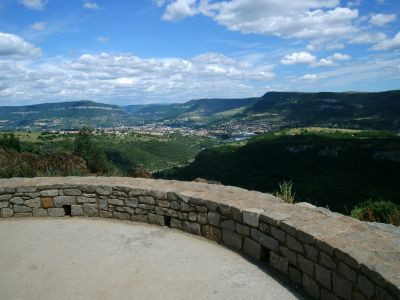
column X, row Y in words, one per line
column 10, row 141
column 377, row 211
column 285, row 192
column 86, row 147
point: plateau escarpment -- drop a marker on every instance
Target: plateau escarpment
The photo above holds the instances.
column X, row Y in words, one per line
column 330, row 255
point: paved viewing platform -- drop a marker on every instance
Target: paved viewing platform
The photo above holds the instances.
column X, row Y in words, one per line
column 106, row 259
column 328, row 255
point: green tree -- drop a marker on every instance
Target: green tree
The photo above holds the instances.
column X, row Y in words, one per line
column 10, row 141
column 85, row 146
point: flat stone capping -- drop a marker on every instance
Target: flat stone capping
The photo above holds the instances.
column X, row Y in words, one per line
column 330, row 255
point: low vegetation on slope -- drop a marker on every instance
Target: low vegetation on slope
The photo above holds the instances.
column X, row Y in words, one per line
column 335, row 169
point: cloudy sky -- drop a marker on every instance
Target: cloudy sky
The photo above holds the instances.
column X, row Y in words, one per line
column 156, row 51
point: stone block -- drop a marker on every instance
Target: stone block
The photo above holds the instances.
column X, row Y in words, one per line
column 311, row 252
column 85, row 188
column 72, row 192
column 278, row 234
column 289, row 254
column 359, row 296
column 251, row 216
column 310, row 286
column 225, row 210
column 163, row 203
column 202, row 218
column 232, row 239
column 4, row 204
column 195, row 201
column 264, row 240
column 76, row 210
column 22, row 215
column 5, row 197
column 365, row 286
column 17, row 200
column 147, row 200
column 7, row 212
column 156, row 219
column 103, row 204
column 121, row 216
column 306, row 265
column 32, row 195
column 175, row 205
column 116, row 202
column 228, row 224
column 56, row 212
column 201, row 208
column 347, row 272
column 192, row 217
column 105, row 214
column 146, row 206
column 327, row 295
column 294, row 244
column 341, row 286
column 103, row 190
column 26, row 189
column 47, row 203
column 39, row 212
column 253, row 249
column 323, row 276
column 327, row 261
column 214, row 218
column 81, row 200
column 278, row 262
column 237, row 214
column 90, row 210
column 211, row 233
column 159, row 195
column 176, row 223
column 264, row 227
column 242, row 229
column 33, row 203
column 131, row 202
column 295, row 275
column 186, row 207
column 60, row 201
column 211, row 205
column 192, row 227
column 22, row 209
column 139, row 218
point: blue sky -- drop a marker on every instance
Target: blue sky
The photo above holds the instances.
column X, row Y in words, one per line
column 156, row 51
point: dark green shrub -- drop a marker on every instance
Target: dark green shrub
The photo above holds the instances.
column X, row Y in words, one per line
column 10, row 141
column 86, row 147
column 377, row 211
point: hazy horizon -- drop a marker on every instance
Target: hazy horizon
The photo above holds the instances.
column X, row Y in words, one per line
column 159, row 51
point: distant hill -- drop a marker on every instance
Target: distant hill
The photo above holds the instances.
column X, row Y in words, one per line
column 274, row 110
column 283, row 110
column 63, row 115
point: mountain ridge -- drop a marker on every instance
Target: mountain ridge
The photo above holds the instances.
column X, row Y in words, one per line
column 372, row 110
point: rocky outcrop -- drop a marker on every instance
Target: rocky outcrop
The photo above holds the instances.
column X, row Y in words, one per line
column 330, row 255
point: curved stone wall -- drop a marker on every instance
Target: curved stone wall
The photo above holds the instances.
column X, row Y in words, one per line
column 330, row 255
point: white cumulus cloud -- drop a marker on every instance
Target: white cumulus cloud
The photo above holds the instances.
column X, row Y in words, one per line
column 298, row 58
column 388, row 44
column 180, row 9
column 382, row 19
column 39, row 26
column 91, row 5
column 300, row 19
column 34, row 4
column 13, row 45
